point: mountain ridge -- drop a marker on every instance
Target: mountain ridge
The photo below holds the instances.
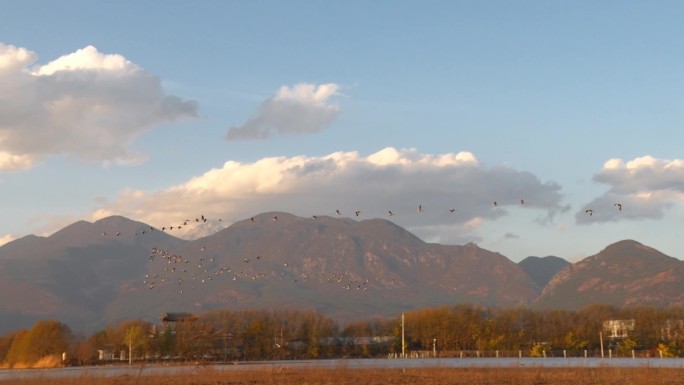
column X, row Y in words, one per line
column 625, row 272
column 92, row 274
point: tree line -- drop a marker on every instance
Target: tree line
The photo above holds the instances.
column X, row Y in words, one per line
column 230, row 335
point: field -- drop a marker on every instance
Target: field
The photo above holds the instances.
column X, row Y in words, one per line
column 423, row 376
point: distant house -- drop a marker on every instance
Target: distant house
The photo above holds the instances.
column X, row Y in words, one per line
column 618, row 328
column 672, row 330
column 173, row 318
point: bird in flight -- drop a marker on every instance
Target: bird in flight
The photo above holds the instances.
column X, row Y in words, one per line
column 589, row 211
column 619, row 206
column 390, row 213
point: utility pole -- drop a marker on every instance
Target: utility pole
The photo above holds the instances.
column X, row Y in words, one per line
column 403, row 341
column 225, row 339
column 130, row 348
column 225, row 344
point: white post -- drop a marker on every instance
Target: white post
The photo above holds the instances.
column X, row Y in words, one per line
column 130, row 347
column 519, row 353
column 565, row 355
column 403, row 343
column 633, row 355
column 434, row 347
column 601, row 339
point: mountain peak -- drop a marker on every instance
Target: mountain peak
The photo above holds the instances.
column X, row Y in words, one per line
column 624, row 273
column 543, row 269
column 628, row 245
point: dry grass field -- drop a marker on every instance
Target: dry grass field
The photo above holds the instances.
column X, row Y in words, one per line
column 424, row 376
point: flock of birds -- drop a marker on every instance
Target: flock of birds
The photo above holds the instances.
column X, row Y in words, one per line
column 200, row 269
column 189, row 272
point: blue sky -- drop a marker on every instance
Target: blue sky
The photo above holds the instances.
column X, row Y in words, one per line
column 160, row 111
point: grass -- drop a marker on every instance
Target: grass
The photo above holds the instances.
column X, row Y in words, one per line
column 423, row 376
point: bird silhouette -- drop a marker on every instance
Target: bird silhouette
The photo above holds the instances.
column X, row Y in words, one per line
column 619, row 206
column 589, row 211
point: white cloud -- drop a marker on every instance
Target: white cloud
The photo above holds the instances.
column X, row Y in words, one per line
column 85, row 104
column 302, row 109
column 7, row 238
column 11, row 162
column 87, row 58
column 347, row 181
column 644, row 187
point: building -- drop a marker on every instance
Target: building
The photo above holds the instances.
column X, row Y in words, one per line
column 173, row 318
column 618, row 328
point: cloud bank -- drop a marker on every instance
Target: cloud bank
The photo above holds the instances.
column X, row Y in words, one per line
column 454, row 191
column 85, row 104
column 644, row 188
column 302, row 109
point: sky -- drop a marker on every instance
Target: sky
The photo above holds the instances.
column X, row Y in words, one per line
column 449, row 114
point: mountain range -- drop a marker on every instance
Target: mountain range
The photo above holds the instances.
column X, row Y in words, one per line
column 89, row 275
